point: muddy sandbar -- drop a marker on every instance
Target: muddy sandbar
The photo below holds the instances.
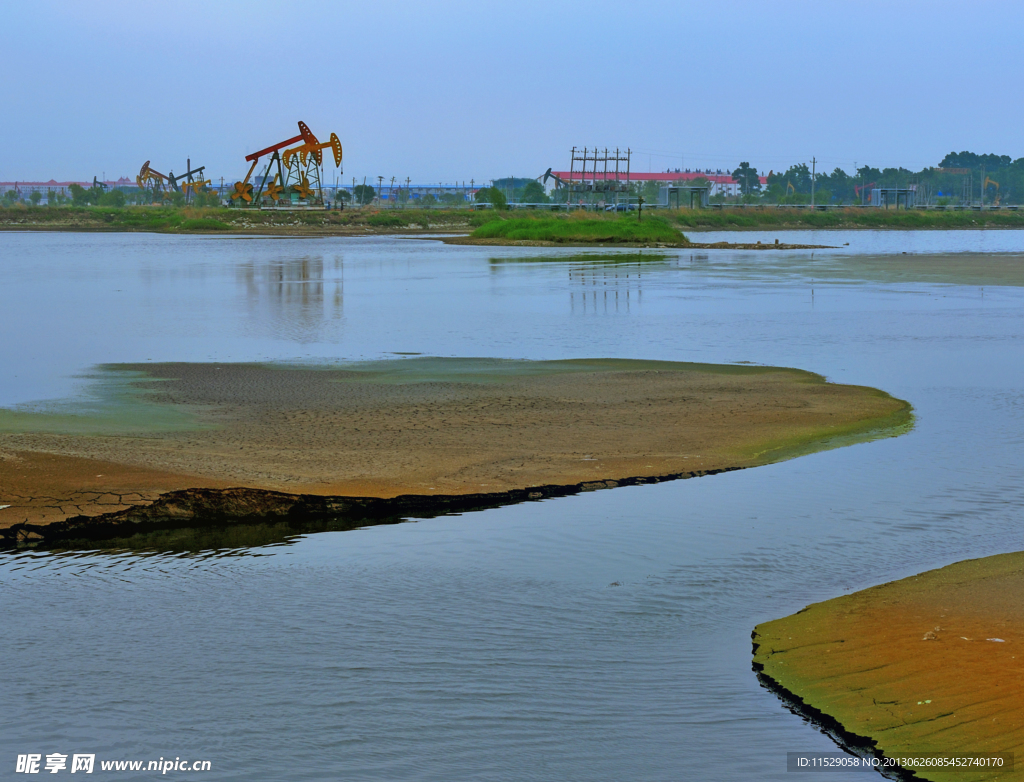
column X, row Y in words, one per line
column 423, row 426
column 927, row 664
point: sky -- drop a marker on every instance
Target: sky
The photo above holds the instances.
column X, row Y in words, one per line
column 449, row 91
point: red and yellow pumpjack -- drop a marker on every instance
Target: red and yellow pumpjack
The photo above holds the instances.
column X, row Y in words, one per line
column 294, row 174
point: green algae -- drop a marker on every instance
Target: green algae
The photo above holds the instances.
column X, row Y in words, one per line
column 126, row 399
column 115, row 401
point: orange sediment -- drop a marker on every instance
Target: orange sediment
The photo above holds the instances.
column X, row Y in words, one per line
column 929, row 664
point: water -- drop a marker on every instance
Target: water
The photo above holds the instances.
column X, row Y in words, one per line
column 599, row 637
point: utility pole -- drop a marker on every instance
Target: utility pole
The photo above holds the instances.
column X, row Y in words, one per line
column 813, row 164
column 391, row 193
column 380, row 188
column 408, row 192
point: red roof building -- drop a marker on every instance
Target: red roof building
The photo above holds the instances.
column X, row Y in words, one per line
column 721, row 184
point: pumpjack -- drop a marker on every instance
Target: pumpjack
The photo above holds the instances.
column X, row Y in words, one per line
column 295, row 170
column 549, row 174
column 190, row 182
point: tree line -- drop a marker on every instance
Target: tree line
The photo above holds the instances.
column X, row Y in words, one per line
column 998, row 177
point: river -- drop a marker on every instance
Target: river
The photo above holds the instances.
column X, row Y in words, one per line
column 604, row 636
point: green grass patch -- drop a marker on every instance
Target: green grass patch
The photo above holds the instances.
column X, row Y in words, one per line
column 385, row 220
column 581, row 227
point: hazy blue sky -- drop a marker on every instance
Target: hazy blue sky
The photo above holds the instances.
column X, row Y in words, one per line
column 447, row 90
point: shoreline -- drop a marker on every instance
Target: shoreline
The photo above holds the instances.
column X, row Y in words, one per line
column 453, row 236
column 368, row 221
column 846, row 740
column 202, row 507
column 467, row 240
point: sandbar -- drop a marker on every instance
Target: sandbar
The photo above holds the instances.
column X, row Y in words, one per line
column 927, row 664
column 424, row 427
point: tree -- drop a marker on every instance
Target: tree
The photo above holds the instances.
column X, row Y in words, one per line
column 113, row 197
column 206, row 198
column 493, row 196
column 748, row 179
column 146, row 196
column 651, row 191
column 534, row 193
column 175, row 197
column 800, row 177
column 35, row 198
column 10, row 197
column 839, row 183
column 972, row 160
column 79, row 195
column 364, row 194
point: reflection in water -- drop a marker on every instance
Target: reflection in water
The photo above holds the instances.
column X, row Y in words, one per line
column 606, row 282
column 613, row 283
column 204, row 542
column 597, row 289
column 217, row 538
column 298, row 299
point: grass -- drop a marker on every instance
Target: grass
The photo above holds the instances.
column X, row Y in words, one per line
column 168, row 219
column 581, row 227
column 770, row 217
column 386, row 220
column 203, row 224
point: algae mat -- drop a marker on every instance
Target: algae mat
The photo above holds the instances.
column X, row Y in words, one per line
column 930, row 664
column 421, row 426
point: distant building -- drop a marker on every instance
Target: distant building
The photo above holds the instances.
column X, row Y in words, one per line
column 721, row 184
column 684, row 196
column 892, row 196
column 26, row 189
column 413, row 192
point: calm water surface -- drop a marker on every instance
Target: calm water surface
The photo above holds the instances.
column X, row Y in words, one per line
column 599, row 637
